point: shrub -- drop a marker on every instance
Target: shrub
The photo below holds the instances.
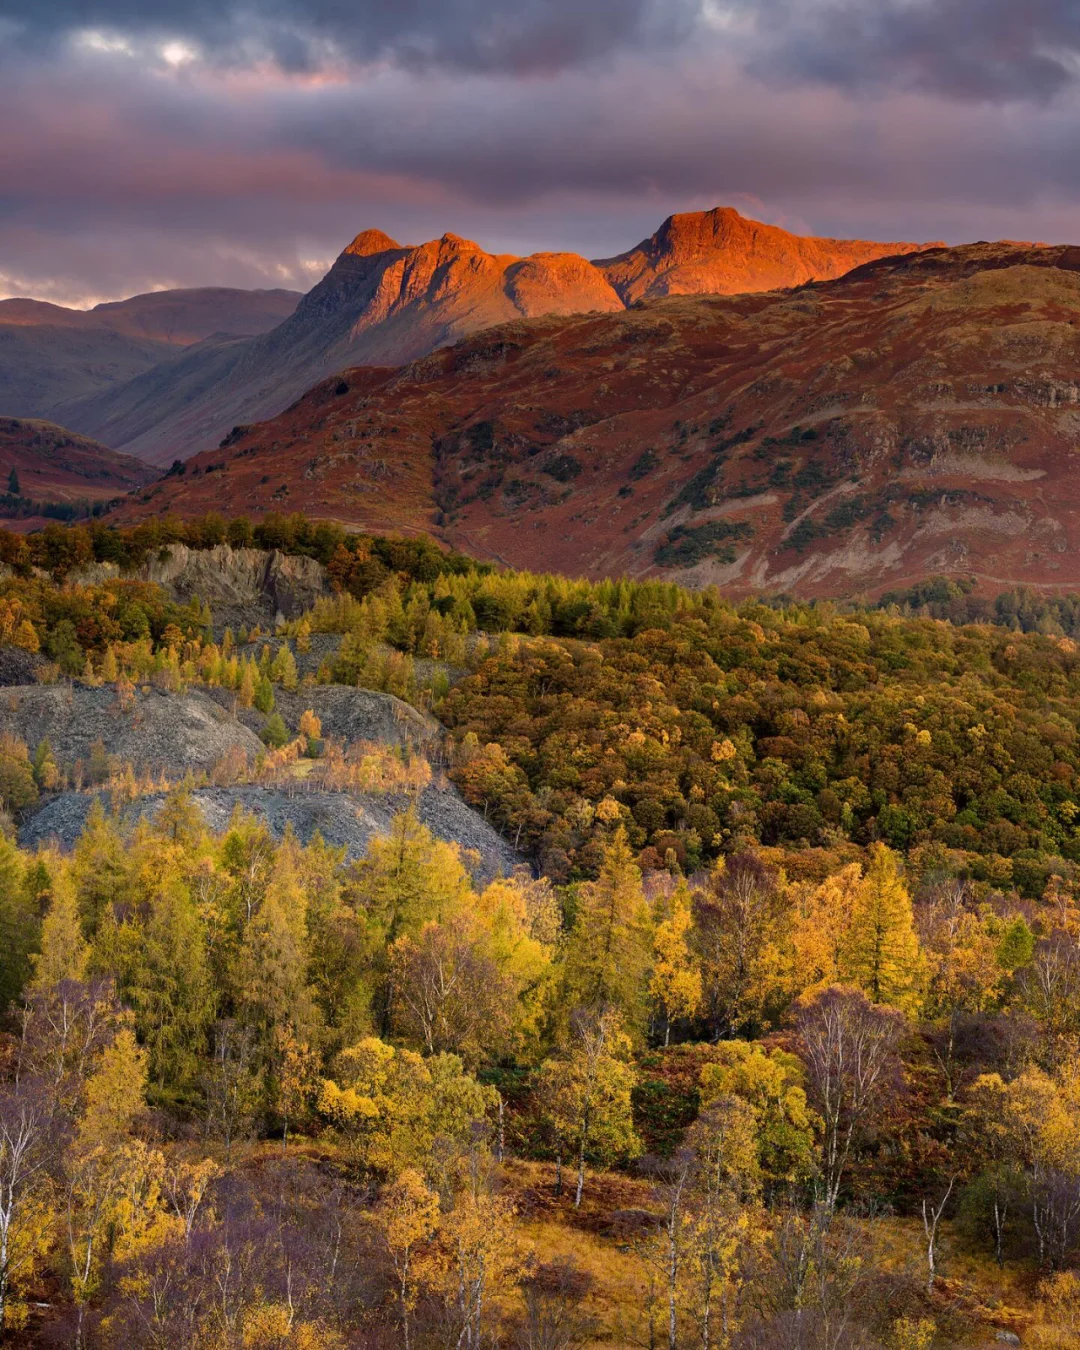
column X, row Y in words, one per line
column 275, row 734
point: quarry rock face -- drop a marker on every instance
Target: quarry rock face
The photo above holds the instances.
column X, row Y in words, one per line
column 241, row 577
column 156, row 733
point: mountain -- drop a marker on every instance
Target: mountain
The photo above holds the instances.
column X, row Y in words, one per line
column 177, row 318
column 42, row 365
column 918, row 415
column 59, row 467
column 50, row 355
column 383, row 303
column 723, row 253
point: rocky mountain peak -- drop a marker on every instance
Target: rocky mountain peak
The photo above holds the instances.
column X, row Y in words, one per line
column 369, row 242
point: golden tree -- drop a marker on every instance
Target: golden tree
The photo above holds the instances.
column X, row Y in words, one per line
column 881, row 954
column 407, row 1217
column 675, row 984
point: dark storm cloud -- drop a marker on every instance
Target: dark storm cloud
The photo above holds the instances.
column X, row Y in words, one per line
column 467, row 35
column 121, row 168
column 968, row 49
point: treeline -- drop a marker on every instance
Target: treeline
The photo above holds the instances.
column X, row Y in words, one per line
column 789, row 1054
column 363, row 560
column 14, row 506
column 1023, row 610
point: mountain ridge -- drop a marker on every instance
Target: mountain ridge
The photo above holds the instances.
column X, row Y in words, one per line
column 177, row 317
column 724, row 253
column 919, row 415
column 385, row 303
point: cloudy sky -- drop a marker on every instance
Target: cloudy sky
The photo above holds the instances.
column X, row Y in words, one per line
column 150, row 143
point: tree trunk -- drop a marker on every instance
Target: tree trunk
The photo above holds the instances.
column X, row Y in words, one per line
column 999, row 1232
column 931, row 1217
column 582, row 1144
column 673, row 1281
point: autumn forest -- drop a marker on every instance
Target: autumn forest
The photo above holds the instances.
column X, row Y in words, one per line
column 767, row 1037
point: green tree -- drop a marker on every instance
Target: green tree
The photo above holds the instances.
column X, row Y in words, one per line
column 408, row 879
column 271, row 965
column 263, row 696
column 46, row 773
column 771, row 1083
column 100, row 866
column 168, row 983
column 275, row 734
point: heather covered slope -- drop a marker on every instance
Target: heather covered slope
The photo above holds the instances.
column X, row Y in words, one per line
column 383, row 303
column 918, row 415
column 55, row 465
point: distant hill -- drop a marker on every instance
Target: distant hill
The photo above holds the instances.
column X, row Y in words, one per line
column 384, row 303
column 918, row 415
column 50, row 355
column 60, row 468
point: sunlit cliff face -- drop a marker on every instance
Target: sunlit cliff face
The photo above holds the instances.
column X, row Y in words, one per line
column 193, row 144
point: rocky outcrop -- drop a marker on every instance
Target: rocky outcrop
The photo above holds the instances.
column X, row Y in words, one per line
column 257, row 582
column 427, row 296
column 343, row 820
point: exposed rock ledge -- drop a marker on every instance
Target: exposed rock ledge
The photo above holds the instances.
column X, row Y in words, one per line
column 266, row 581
